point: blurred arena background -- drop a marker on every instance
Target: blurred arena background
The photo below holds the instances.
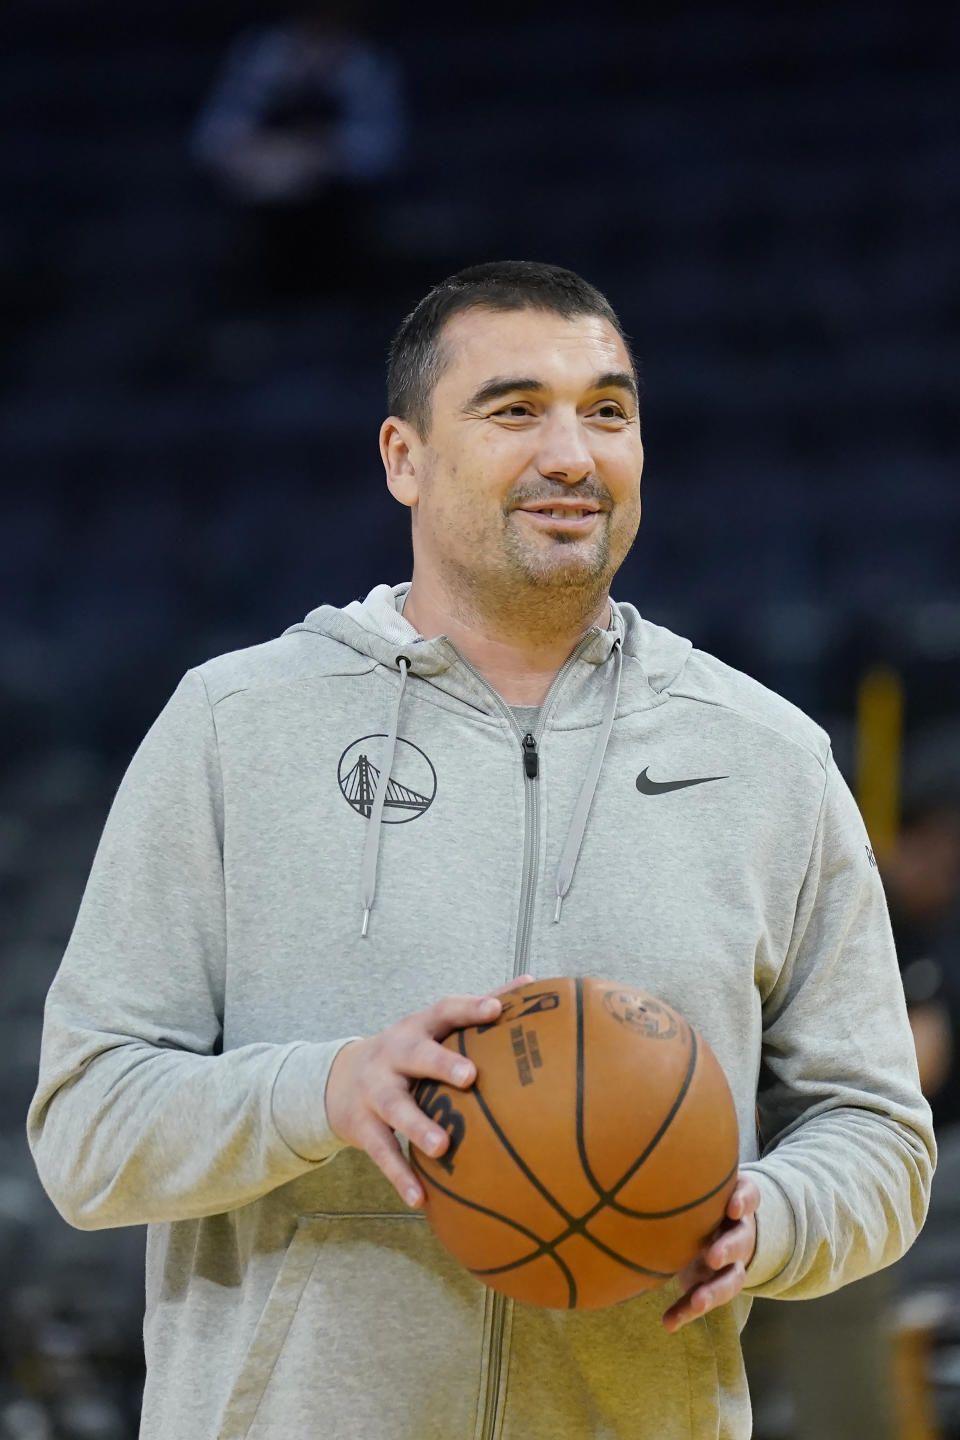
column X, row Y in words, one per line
column 204, row 246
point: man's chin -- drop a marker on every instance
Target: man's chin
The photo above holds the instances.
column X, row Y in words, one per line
column 566, row 564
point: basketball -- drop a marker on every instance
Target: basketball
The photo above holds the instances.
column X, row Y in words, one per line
column 593, row 1155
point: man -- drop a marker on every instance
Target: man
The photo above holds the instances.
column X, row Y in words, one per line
column 323, row 835
column 305, row 125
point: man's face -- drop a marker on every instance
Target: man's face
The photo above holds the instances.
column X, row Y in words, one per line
column 530, row 473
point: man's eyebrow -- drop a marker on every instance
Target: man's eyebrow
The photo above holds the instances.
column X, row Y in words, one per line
column 617, row 380
column 499, row 386
column 502, row 385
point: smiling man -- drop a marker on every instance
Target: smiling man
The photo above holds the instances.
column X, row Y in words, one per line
column 333, row 849
column 522, row 472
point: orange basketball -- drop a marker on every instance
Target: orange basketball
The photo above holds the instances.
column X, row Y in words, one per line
column 593, row 1156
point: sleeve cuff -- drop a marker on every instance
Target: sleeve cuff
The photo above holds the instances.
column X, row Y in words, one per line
column 297, row 1102
column 776, row 1230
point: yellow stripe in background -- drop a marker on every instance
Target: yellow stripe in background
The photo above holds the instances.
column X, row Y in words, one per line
column 879, row 754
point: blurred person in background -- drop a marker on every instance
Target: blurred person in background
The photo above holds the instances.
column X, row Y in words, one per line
column 305, row 125
column 836, row 1354
column 921, row 875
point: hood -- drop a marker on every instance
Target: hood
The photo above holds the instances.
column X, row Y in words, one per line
column 375, row 627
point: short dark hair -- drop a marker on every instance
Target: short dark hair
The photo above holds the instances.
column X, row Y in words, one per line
column 415, row 360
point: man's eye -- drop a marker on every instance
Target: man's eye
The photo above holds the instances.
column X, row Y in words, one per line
column 610, row 410
column 517, row 409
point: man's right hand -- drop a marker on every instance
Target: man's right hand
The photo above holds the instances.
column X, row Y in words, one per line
column 369, row 1088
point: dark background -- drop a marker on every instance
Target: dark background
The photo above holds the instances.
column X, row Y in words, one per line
column 768, row 195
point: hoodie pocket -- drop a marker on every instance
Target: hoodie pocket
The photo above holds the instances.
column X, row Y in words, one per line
column 369, row 1330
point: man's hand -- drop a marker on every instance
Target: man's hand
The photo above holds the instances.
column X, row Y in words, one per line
column 369, row 1089
column 719, row 1273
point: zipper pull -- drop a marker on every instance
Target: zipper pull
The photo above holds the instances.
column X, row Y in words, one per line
column 531, row 760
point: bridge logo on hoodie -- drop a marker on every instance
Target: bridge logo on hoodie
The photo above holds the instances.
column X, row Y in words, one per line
column 410, row 788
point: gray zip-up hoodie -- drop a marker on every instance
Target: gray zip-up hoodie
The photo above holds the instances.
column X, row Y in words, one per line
column 218, row 963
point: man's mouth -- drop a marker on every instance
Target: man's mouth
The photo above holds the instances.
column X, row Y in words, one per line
column 562, row 525
column 562, row 508
column 562, row 512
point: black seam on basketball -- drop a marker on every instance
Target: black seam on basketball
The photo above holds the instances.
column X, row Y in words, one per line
column 581, row 1143
column 518, row 1160
column 666, row 1214
column 541, row 1247
column 548, row 1247
column 606, row 1196
column 515, row 1265
column 475, row 1205
column 577, row 1225
column 622, row 1259
column 665, row 1124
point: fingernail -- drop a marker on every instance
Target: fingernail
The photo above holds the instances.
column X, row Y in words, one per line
column 490, row 1006
column 412, row 1195
column 435, row 1143
column 461, row 1073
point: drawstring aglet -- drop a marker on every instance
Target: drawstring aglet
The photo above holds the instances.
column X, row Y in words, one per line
column 366, row 922
column 556, row 913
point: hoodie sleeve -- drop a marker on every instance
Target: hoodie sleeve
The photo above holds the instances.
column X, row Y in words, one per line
column 848, row 1148
column 138, row 1117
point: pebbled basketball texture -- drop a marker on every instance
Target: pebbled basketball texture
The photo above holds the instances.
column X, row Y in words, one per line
column 595, row 1152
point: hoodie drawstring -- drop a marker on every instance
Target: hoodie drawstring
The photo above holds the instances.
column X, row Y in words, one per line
column 578, row 824
column 371, row 848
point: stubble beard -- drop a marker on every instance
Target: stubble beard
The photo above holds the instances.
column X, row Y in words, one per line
column 536, row 589
column 561, row 562
column 527, row 585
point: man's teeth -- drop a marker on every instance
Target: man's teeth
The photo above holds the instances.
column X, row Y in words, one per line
column 565, row 514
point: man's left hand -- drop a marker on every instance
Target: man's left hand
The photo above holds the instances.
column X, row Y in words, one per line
column 720, row 1271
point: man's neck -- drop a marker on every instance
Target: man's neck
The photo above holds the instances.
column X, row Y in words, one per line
column 521, row 664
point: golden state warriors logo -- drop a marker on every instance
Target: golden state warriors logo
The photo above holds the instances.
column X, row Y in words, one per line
column 410, row 788
column 642, row 1013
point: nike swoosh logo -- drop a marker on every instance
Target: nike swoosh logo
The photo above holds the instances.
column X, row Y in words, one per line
column 646, row 786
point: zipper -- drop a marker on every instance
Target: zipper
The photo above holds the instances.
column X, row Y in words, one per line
column 531, row 769
column 531, row 846
column 500, row 1309
column 498, row 1320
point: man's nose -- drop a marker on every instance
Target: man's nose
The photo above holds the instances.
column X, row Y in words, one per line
column 564, row 453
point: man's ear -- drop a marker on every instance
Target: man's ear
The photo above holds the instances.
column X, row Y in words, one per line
column 401, row 450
